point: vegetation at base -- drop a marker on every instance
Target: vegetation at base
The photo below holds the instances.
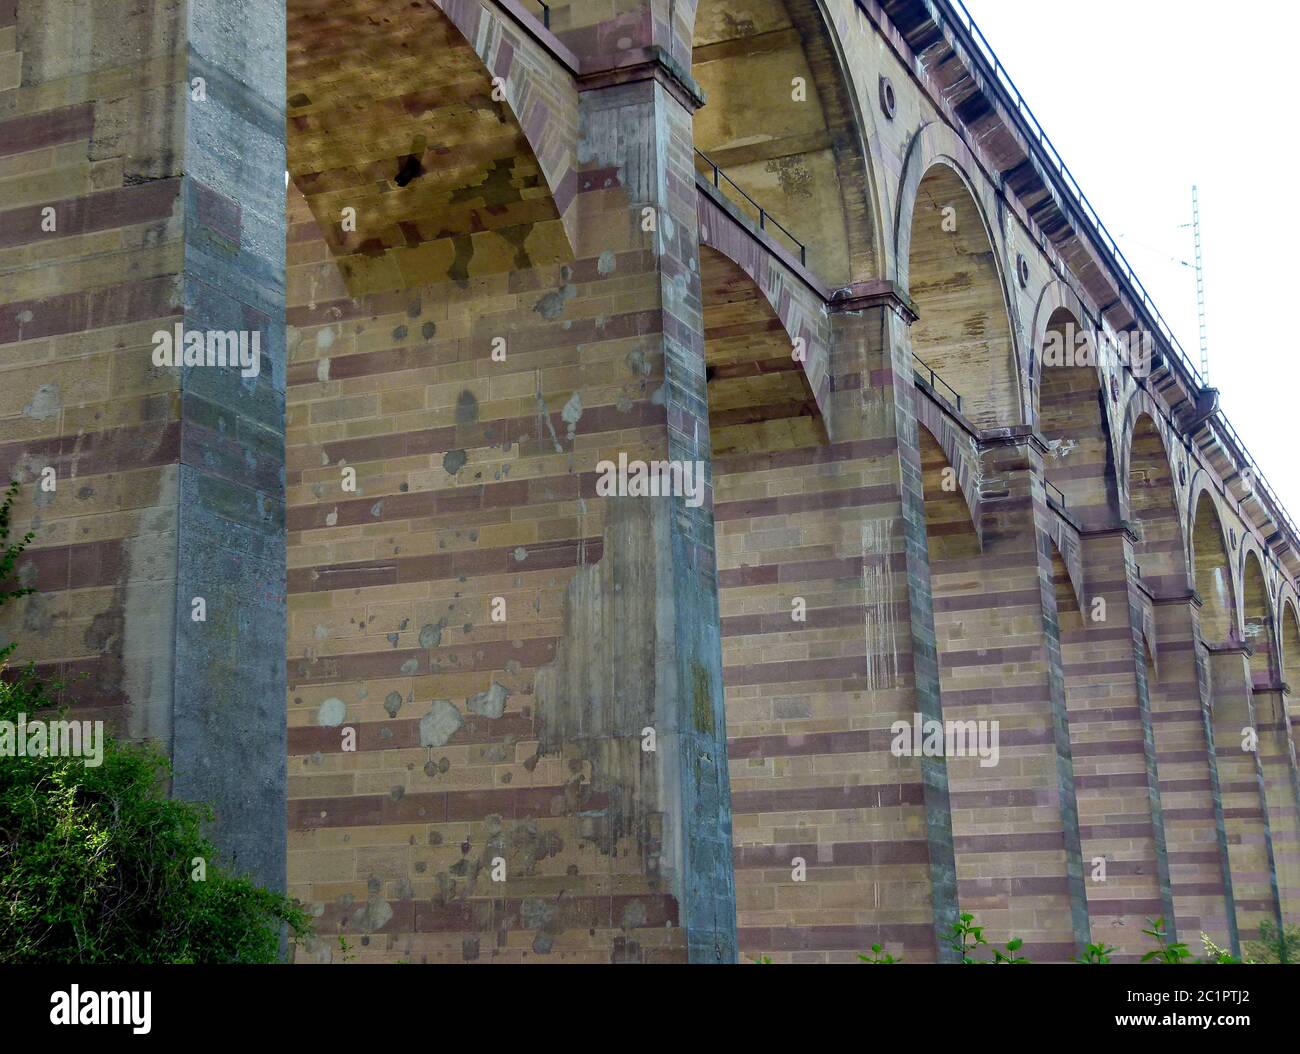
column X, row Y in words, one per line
column 96, row 862
column 876, row 956
column 966, row 939
column 1276, row 944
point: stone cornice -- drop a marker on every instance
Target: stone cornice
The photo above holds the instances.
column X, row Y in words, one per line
column 647, row 64
column 880, row 292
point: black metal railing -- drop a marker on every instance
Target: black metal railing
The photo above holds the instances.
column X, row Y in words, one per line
column 546, row 13
column 1054, row 492
column 1102, row 238
column 1049, row 153
column 765, row 218
column 927, row 374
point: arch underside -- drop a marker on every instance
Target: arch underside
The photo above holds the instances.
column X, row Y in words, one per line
column 1290, row 659
column 759, row 398
column 1257, row 619
column 1079, row 461
column 391, row 114
column 1153, row 509
column 963, row 333
column 779, row 122
column 951, row 526
column 1212, row 573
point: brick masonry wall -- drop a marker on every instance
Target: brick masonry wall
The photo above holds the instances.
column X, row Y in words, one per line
column 562, row 702
column 1278, row 765
column 810, row 703
column 1250, row 849
column 80, row 303
column 122, row 216
column 1015, row 825
column 519, row 740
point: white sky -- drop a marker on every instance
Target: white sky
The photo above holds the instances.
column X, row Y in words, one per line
column 1143, row 98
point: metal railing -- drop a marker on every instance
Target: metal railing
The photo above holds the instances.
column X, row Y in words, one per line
column 955, row 11
column 926, row 373
column 1257, row 482
column 1034, row 132
column 764, row 217
column 546, row 13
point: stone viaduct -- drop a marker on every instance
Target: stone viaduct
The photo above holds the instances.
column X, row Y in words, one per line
column 468, row 707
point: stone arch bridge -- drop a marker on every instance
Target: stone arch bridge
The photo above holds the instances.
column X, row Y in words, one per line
column 819, row 248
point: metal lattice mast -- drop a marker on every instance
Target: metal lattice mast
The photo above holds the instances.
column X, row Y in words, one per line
column 1200, row 289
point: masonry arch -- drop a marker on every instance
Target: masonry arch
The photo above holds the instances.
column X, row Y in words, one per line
column 759, row 397
column 1257, row 620
column 1073, row 420
column 1153, row 510
column 1212, row 571
column 797, row 538
column 781, row 123
column 988, row 607
column 951, row 523
column 953, row 274
column 1289, row 646
column 455, row 154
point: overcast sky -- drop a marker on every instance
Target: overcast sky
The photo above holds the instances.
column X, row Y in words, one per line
column 1143, row 98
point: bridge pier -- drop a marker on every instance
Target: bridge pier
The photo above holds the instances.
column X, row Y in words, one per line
column 153, row 138
column 1015, row 825
column 874, row 405
column 1277, row 760
column 1121, row 825
column 1241, row 788
column 641, row 130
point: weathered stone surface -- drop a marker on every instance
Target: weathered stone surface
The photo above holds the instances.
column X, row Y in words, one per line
column 507, row 264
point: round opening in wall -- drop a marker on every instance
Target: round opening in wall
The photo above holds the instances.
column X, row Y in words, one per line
column 1022, row 270
column 888, row 103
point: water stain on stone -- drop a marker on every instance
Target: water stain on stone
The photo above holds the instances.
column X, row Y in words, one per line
column 490, row 704
column 453, row 461
column 551, row 306
column 431, row 634
column 439, row 724
column 466, row 408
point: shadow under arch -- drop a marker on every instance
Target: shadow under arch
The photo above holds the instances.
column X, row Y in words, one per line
column 964, row 330
column 1073, row 420
column 1154, row 511
column 1212, row 572
column 1289, row 651
column 759, row 396
column 428, row 141
column 1182, row 737
column 951, row 524
column 781, row 122
column 805, row 591
column 1258, row 622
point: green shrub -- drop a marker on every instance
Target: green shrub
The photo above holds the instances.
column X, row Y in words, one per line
column 966, row 938
column 96, row 863
column 1276, row 944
